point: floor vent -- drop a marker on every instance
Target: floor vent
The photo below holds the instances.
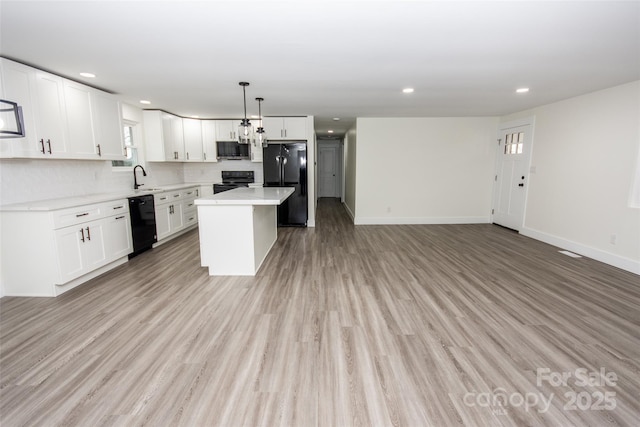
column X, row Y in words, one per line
column 571, row 254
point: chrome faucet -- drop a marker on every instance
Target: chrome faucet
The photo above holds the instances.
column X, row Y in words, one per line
column 135, row 179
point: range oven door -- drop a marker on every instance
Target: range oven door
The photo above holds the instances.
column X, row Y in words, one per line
column 219, row 188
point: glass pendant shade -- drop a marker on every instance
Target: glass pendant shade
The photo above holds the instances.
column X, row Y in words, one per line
column 245, row 132
column 261, row 137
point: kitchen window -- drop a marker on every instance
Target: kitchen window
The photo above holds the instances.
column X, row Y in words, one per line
column 130, row 147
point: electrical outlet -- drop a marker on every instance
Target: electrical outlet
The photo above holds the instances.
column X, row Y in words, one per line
column 613, row 239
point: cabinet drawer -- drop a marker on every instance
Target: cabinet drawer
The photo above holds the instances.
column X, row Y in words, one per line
column 189, row 193
column 166, row 197
column 190, row 217
column 80, row 214
column 77, row 215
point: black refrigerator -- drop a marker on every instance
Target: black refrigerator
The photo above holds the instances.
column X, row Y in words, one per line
column 285, row 165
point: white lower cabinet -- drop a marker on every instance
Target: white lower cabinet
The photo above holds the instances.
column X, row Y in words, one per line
column 175, row 211
column 81, row 249
column 54, row 251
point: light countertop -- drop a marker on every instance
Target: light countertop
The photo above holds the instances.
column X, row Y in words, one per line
column 70, row 202
column 248, row 196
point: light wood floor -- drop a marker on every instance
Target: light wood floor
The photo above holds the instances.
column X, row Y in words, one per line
column 343, row 326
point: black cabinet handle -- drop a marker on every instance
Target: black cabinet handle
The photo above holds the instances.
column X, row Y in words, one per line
column 99, row 151
column 88, row 234
column 82, row 234
column 49, row 145
column 119, row 217
column 521, row 185
column 42, row 146
column 82, row 214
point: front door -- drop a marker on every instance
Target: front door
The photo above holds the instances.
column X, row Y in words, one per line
column 514, row 148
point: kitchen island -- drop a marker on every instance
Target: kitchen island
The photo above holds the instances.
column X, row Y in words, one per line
column 238, row 228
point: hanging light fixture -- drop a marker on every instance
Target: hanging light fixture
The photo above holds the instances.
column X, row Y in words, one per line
column 261, row 137
column 245, row 130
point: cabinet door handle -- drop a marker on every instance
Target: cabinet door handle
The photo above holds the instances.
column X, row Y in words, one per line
column 49, row 145
column 99, row 150
column 187, row 155
column 88, row 234
column 285, row 133
column 119, row 217
column 82, row 214
column 42, row 146
column 82, row 234
column 205, row 156
column 118, row 207
column 197, row 193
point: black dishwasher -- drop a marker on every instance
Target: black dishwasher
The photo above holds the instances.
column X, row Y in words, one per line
column 143, row 223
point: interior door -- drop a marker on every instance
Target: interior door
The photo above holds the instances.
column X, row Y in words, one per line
column 512, row 165
column 327, row 170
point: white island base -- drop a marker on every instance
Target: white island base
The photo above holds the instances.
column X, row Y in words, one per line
column 238, row 228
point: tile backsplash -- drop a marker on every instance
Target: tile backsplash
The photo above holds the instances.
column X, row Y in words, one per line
column 24, row 180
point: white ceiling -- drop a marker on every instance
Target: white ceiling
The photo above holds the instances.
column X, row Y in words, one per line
column 330, row 59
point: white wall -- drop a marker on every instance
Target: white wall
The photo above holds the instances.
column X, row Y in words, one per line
column 585, row 154
column 424, row 170
column 350, row 169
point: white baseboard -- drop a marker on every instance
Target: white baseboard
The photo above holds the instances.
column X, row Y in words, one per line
column 421, row 220
column 618, row 261
column 346, row 207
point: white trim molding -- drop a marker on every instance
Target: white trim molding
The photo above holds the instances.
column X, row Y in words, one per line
column 630, row 265
column 421, row 220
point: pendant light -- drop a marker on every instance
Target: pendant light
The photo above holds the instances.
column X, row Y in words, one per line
column 245, row 130
column 261, row 137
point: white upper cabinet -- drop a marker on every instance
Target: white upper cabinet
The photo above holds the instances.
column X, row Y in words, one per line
column 50, row 115
column 17, row 84
column 81, row 141
column 227, row 130
column 192, row 140
column 285, row 128
column 62, row 118
column 209, row 150
column 164, row 136
column 108, row 127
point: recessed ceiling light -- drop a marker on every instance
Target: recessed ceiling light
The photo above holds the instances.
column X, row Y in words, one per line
column 407, row 90
column 522, row 90
column 145, row 102
column 335, row 119
column 254, row 116
column 88, row 75
column 329, row 131
column 195, row 117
